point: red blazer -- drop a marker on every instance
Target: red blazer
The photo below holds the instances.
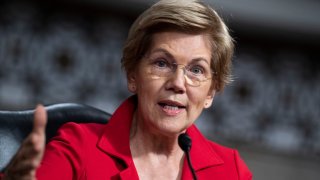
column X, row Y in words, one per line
column 97, row 151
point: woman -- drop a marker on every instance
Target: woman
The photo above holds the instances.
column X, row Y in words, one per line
column 177, row 56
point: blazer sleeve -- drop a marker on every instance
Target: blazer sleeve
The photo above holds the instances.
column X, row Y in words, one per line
column 64, row 155
column 243, row 171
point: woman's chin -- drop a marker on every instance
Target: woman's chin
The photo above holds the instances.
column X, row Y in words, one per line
column 171, row 129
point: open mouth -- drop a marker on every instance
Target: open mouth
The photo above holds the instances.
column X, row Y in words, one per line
column 171, row 108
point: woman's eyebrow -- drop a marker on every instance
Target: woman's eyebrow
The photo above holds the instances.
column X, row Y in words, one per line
column 169, row 55
column 200, row 59
column 161, row 50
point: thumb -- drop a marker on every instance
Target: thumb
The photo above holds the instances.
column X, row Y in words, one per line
column 40, row 119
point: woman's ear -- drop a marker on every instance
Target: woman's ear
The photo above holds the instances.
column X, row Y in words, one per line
column 208, row 101
column 212, row 92
column 131, row 82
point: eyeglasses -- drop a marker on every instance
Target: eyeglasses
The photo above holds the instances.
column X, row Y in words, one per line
column 193, row 73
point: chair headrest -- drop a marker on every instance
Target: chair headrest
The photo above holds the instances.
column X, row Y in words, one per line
column 16, row 125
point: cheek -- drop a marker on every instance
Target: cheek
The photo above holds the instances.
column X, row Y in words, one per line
column 197, row 98
column 148, row 91
column 146, row 88
column 197, row 108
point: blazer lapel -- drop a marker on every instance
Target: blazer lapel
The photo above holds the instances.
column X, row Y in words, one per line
column 115, row 140
column 202, row 155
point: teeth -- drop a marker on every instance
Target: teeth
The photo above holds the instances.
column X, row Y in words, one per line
column 171, row 107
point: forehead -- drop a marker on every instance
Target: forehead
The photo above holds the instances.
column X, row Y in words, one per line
column 181, row 45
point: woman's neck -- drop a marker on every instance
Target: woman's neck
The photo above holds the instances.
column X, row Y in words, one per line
column 149, row 140
column 154, row 153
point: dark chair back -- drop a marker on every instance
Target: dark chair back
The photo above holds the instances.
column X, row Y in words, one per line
column 16, row 125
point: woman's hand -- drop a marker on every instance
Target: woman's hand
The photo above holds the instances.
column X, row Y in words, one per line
column 25, row 163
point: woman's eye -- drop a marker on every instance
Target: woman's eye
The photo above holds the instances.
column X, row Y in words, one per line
column 197, row 70
column 161, row 63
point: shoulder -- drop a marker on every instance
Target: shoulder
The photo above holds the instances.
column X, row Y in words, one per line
column 224, row 162
column 72, row 131
column 232, row 159
column 222, row 151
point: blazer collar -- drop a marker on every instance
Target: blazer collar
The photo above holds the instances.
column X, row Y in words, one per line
column 202, row 154
column 115, row 139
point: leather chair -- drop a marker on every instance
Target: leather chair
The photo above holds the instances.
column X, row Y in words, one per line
column 16, row 125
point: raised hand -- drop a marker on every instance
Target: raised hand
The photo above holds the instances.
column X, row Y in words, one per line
column 24, row 164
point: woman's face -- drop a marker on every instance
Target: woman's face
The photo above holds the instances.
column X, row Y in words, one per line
column 170, row 103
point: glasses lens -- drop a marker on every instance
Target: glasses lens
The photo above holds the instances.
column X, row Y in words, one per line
column 192, row 78
column 191, row 81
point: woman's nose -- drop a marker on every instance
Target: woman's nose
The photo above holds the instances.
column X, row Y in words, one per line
column 177, row 81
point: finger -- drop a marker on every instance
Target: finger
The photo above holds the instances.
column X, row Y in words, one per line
column 30, row 153
column 40, row 120
column 28, row 158
column 32, row 146
column 24, row 167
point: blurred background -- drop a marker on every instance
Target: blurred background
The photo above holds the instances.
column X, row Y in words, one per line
column 70, row 50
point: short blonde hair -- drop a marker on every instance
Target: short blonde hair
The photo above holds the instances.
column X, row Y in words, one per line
column 189, row 16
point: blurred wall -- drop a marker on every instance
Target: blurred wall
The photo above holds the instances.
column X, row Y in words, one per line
column 70, row 51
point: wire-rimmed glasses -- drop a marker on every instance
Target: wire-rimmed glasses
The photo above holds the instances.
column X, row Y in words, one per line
column 193, row 73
